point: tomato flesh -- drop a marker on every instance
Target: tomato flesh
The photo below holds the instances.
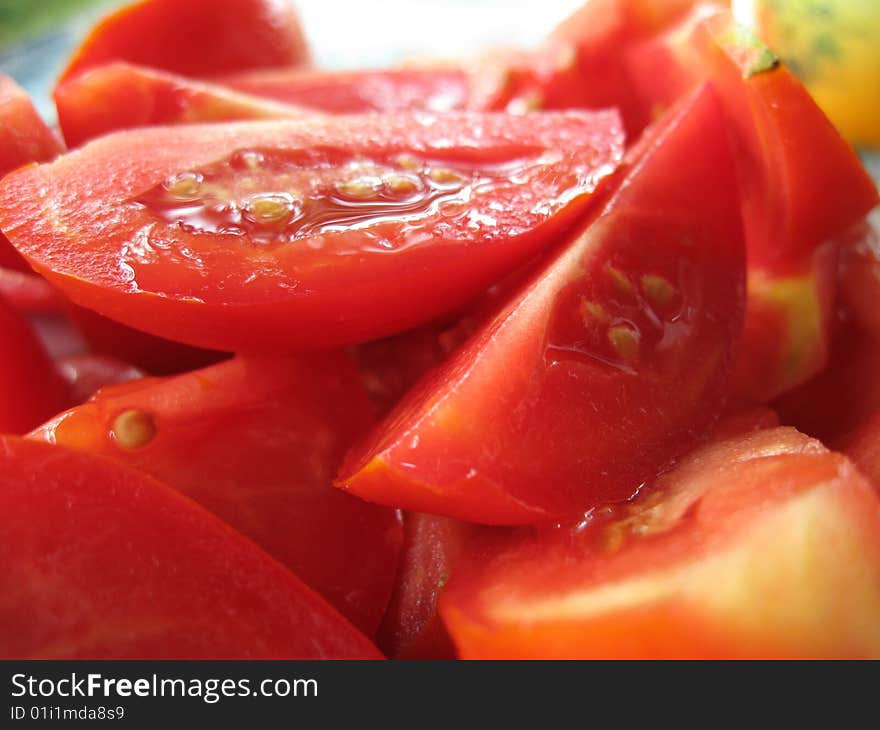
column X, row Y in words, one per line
column 764, row 545
column 196, row 37
column 534, row 417
column 102, row 562
column 124, row 96
column 294, row 234
column 257, row 442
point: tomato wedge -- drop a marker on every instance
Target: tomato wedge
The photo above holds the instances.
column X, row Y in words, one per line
column 257, row 442
column 196, row 37
column 31, row 390
column 358, row 92
column 603, row 369
column 265, row 235
column 101, row 562
column 24, row 138
column 764, row 545
column 124, row 96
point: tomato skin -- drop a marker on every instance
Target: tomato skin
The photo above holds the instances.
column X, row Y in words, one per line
column 24, row 138
column 257, row 443
column 25, row 291
column 32, row 389
column 482, row 436
column 860, row 276
column 101, row 562
column 125, row 96
column 196, row 37
column 357, row 92
column 85, row 374
column 397, row 273
column 764, row 545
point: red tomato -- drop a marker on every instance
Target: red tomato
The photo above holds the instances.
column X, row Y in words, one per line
column 196, row 37
column 761, row 546
column 609, row 364
column 862, row 445
column 101, row 562
column 258, row 443
column 357, row 92
column 123, row 96
column 24, row 138
column 792, row 202
column 304, row 234
column 31, row 390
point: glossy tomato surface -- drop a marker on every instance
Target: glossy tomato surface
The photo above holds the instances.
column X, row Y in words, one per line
column 763, row 545
column 102, row 562
column 605, row 367
column 300, row 234
column 120, row 95
column 257, row 442
column 196, row 37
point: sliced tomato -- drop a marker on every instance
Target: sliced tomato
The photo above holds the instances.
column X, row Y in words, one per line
column 604, row 368
column 124, row 96
column 257, row 442
column 357, row 92
column 764, row 545
column 31, row 390
column 295, row 234
column 24, row 138
column 102, row 562
column 793, row 202
column 196, row 37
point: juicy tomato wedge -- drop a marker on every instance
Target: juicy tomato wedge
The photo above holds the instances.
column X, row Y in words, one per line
column 102, row 562
column 296, row 235
column 124, row 96
column 31, row 389
column 24, row 138
column 432, row 547
column 603, row 369
column 726, row 556
column 792, row 202
column 196, row 37
column 258, row 442
column 358, row 92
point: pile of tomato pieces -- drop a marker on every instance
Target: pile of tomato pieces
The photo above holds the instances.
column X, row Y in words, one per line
column 498, row 359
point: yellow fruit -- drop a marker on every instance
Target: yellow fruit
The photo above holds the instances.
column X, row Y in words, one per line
column 834, row 47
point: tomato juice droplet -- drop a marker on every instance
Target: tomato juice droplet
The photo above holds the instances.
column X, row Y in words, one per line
column 276, row 197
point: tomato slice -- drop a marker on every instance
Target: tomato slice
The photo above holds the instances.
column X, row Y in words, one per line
column 764, row 545
column 196, row 37
column 295, row 234
column 604, row 368
column 124, row 96
column 101, row 562
column 31, row 390
column 24, row 138
column 257, row 442
column 358, row 92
